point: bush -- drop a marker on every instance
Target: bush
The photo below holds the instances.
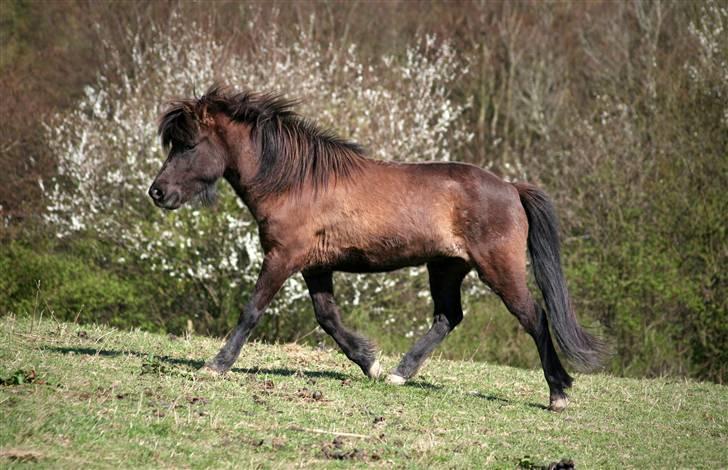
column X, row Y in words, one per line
column 68, row 288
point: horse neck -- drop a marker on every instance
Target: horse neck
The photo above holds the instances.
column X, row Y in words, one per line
column 242, row 162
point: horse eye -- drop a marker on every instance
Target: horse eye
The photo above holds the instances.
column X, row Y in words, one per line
column 182, row 148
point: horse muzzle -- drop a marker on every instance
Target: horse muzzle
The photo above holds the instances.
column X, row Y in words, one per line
column 165, row 199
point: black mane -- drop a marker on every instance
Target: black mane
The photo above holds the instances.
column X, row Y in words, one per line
column 292, row 150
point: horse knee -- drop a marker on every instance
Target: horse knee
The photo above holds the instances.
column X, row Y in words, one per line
column 250, row 316
column 322, row 304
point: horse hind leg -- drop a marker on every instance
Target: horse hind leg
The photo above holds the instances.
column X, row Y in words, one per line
column 357, row 348
column 446, row 278
column 504, row 270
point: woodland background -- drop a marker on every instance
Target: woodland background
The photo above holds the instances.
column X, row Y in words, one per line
column 618, row 109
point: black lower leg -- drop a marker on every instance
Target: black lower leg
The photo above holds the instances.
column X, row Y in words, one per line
column 445, row 280
column 356, row 347
column 412, row 361
column 533, row 319
column 229, row 353
column 556, row 376
column 275, row 271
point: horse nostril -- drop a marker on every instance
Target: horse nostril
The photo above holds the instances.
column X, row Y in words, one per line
column 156, row 193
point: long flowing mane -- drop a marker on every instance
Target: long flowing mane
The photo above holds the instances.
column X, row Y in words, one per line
column 292, row 150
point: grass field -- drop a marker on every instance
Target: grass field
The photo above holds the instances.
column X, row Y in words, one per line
column 83, row 396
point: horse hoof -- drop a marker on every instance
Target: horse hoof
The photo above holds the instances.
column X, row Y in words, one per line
column 395, row 379
column 211, row 370
column 558, row 404
column 375, row 371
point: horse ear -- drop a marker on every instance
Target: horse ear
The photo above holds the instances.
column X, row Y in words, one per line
column 206, row 118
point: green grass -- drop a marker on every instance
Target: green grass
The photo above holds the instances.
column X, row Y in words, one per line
column 102, row 397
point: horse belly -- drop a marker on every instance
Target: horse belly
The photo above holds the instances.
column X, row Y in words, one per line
column 388, row 253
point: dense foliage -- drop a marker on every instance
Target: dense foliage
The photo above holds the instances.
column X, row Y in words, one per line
column 619, row 110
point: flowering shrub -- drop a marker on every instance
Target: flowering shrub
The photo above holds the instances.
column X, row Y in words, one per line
column 108, row 152
column 709, row 70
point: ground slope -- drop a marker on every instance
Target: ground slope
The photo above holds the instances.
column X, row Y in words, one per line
column 92, row 396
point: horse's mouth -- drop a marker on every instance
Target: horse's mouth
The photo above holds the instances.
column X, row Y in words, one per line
column 170, row 203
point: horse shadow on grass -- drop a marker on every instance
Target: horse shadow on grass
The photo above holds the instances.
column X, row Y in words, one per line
column 278, row 371
column 505, row 401
column 197, row 364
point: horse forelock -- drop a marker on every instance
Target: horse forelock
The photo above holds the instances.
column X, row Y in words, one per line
column 178, row 123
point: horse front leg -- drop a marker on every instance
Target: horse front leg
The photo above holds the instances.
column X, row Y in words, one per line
column 276, row 269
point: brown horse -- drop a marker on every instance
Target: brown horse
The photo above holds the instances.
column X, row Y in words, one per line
column 322, row 206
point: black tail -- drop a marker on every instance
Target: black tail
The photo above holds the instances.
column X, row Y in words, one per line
column 580, row 347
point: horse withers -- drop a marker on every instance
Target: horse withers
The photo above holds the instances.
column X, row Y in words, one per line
column 322, row 206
